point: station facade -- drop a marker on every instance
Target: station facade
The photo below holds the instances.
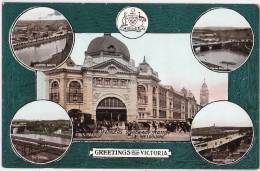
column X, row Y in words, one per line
column 110, row 87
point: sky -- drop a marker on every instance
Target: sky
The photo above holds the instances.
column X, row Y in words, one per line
column 41, row 110
column 41, row 13
column 222, row 113
column 168, row 54
column 222, row 17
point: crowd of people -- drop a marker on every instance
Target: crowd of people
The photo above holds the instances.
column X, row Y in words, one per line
column 83, row 125
column 171, row 126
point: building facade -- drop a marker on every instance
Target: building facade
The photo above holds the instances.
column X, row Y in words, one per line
column 110, row 87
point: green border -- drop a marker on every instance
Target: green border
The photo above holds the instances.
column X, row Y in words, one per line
column 19, row 84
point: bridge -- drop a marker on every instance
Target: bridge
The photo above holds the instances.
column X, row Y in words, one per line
column 17, row 128
column 30, row 146
column 222, row 44
column 218, row 142
column 38, row 42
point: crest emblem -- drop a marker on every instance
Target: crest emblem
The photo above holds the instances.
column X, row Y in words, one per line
column 132, row 22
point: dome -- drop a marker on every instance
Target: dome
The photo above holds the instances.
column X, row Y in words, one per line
column 109, row 45
column 144, row 67
column 184, row 91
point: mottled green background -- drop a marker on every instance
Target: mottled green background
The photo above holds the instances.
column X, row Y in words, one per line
column 19, row 84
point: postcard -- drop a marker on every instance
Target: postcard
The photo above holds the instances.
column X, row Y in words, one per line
column 120, row 85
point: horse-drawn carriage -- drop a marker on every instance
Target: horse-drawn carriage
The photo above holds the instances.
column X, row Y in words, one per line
column 83, row 125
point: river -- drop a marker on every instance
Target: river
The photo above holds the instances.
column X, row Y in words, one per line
column 219, row 55
column 40, row 53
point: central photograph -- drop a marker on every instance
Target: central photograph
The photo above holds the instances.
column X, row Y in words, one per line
column 120, row 89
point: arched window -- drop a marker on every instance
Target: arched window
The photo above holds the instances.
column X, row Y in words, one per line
column 111, row 103
column 54, row 92
column 75, row 94
column 141, row 95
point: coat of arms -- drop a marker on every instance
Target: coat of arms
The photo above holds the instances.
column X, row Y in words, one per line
column 132, row 19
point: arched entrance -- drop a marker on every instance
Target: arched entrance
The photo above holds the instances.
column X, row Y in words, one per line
column 111, row 109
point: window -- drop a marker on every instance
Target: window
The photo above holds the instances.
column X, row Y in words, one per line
column 75, row 92
column 154, row 101
column 111, row 103
column 141, row 95
column 141, row 115
column 123, row 83
column 162, row 98
column 54, row 92
column 154, row 91
column 115, row 82
column 99, row 81
column 107, row 82
column 154, row 113
column 154, row 97
column 141, row 109
column 162, row 114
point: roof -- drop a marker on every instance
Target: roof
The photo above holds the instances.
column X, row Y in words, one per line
column 108, row 45
column 204, row 85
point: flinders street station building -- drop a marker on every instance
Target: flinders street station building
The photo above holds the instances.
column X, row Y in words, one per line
column 111, row 88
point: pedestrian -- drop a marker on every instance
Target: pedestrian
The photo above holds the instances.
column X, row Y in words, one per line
column 154, row 126
column 129, row 128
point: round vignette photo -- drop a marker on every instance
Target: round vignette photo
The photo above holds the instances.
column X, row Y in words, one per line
column 222, row 45
column 41, row 39
column 41, row 136
column 222, row 133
